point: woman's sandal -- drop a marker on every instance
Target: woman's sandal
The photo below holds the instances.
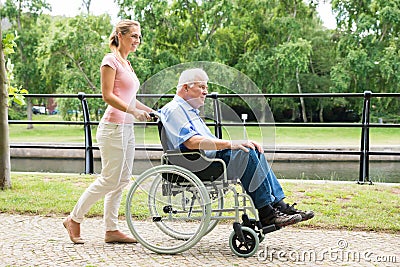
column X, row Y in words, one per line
column 77, row 239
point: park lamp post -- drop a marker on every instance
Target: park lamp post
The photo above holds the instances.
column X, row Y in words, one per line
column 244, row 118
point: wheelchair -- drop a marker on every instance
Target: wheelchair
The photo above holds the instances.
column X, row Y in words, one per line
column 170, row 207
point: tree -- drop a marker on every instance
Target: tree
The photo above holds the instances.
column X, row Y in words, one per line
column 177, row 31
column 291, row 59
column 5, row 165
column 244, row 34
column 23, row 15
column 368, row 49
column 279, row 44
column 86, row 4
column 69, row 57
column 6, row 88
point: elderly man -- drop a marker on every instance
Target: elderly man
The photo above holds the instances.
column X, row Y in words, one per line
column 245, row 160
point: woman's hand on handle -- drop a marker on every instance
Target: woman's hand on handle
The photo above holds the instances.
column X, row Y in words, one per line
column 141, row 115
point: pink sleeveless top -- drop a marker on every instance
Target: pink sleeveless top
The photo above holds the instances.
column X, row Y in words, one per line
column 126, row 85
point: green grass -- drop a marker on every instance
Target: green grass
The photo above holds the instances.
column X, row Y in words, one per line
column 47, row 132
column 278, row 135
column 337, row 136
column 337, row 205
column 45, row 194
column 349, row 206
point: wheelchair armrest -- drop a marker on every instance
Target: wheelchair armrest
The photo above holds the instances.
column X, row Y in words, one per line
column 195, row 161
column 173, row 151
column 189, row 155
column 179, row 152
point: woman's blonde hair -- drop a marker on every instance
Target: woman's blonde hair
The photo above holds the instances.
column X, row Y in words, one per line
column 123, row 27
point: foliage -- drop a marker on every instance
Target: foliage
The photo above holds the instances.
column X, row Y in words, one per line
column 70, row 56
column 16, row 93
column 281, row 45
column 23, row 15
column 368, row 48
column 16, row 113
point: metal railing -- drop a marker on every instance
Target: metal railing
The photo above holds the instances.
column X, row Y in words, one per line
column 364, row 153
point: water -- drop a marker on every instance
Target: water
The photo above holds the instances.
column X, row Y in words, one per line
column 387, row 172
column 380, row 171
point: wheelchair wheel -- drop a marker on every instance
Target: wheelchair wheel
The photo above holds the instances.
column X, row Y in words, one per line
column 168, row 209
column 248, row 246
column 174, row 197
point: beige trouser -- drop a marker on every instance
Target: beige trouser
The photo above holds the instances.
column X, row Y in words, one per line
column 117, row 148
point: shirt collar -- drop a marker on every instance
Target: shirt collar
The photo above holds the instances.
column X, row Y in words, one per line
column 184, row 104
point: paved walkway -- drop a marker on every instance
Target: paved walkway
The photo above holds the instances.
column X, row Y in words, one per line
column 42, row 241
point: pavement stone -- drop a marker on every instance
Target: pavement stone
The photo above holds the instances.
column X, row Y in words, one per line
column 43, row 241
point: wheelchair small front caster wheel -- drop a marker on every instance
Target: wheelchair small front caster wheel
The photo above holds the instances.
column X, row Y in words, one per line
column 247, row 247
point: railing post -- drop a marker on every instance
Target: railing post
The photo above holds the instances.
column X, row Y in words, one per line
column 364, row 157
column 89, row 162
column 217, row 115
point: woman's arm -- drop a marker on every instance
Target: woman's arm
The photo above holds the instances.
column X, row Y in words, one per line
column 140, row 105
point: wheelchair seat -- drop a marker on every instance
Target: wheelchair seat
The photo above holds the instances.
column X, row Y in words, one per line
column 206, row 169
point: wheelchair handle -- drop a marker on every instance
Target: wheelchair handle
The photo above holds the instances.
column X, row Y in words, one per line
column 155, row 114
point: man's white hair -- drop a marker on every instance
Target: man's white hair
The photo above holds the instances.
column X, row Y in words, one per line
column 191, row 76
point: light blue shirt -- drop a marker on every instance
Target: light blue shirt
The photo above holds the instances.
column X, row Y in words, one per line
column 181, row 122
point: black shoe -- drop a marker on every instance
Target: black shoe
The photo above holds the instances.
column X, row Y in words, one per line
column 291, row 210
column 280, row 219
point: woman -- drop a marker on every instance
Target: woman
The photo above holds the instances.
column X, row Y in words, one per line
column 115, row 136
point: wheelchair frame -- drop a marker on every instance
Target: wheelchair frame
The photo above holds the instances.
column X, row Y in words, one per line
column 184, row 206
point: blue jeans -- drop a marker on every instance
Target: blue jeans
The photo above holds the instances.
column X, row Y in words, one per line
column 255, row 174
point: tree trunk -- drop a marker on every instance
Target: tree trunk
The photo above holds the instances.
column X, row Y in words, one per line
column 86, row 5
column 5, row 165
column 321, row 101
column 303, row 106
column 264, row 110
column 321, row 111
column 29, row 112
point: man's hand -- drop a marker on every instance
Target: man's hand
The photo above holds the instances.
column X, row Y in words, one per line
column 245, row 144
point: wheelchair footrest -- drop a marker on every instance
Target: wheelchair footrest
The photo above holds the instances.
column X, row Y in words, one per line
column 269, row 228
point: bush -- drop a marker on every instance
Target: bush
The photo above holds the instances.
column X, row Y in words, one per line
column 16, row 113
